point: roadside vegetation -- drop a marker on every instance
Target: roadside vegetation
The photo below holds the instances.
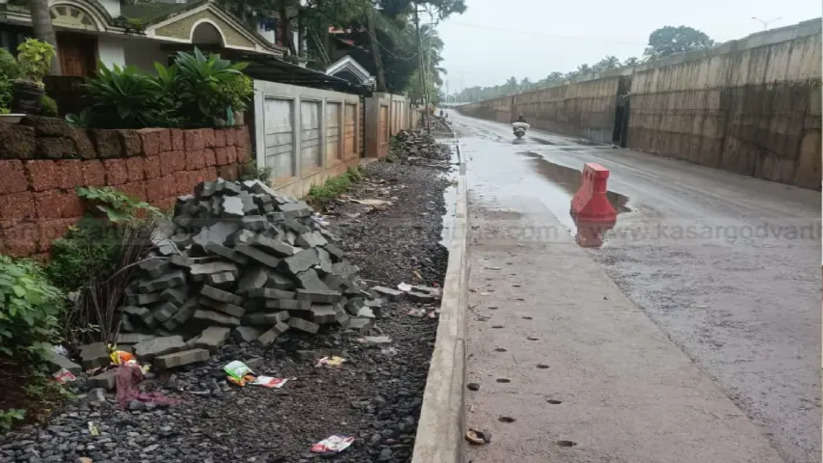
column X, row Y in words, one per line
column 197, row 90
column 321, row 195
column 665, row 41
column 68, row 301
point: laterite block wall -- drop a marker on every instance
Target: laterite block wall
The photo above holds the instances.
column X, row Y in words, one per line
column 43, row 160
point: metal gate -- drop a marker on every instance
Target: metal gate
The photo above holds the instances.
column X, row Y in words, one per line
column 279, row 137
column 311, row 152
column 333, row 131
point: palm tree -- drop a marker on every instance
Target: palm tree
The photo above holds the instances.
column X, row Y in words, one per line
column 43, row 29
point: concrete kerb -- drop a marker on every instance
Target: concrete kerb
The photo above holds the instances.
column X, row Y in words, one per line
column 441, row 425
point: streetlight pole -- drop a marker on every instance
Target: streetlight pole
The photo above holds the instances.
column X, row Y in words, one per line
column 766, row 22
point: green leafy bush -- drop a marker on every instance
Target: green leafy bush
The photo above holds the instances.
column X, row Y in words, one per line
column 251, row 171
column 321, row 195
column 29, row 308
column 125, row 98
column 34, row 60
column 6, row 93
column 208, row 86
column 9, row 70
column 9, row 416
column 196, row 91
column 8, row 65
column 91, row 247
column 118, row 206
column 48, row 106
column 96, row 257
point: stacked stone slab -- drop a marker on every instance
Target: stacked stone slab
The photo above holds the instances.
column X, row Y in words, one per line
column 240, row 257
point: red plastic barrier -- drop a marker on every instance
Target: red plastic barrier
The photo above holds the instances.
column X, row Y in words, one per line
column 590, row 202
column 592, row 212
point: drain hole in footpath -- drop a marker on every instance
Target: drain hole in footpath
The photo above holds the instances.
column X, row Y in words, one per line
column 542, row 366
column 473, row 386
column 554, row 402
column 566, row 443
column 500, row 349
column 492, row 307
column 526, row 317
column 519, row 299
column 497, row 326
column 506, row 419
column 503, row 380
column 532, row 338
column 515, row 285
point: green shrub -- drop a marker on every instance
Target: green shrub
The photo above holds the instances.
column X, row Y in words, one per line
column 89, row 248
column 8, row 65
column 29, row 308
column 196, row 91
column 93, row 246
column 321, row 195
column 251, row 171
column 8, row 417
column 6, row 93
column 34, row 59
column 209, row 86
column 125, row 98
column 48, row 106
column 118, row 206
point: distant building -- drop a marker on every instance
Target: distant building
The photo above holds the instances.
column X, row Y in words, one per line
column 116, row 32
column 348, row 68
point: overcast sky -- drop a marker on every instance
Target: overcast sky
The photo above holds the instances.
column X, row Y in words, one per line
column 496, row 39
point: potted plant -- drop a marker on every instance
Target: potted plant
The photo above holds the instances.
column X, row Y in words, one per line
column 34, row 60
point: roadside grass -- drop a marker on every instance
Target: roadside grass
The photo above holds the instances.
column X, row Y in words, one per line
column 321, row 195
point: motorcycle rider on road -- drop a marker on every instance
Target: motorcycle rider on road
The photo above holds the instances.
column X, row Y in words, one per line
column 520, row 126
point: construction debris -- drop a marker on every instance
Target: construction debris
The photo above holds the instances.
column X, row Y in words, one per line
column 242, row 258
column 420, row 148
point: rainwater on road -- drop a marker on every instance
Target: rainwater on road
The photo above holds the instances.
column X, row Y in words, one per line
column 728, row 266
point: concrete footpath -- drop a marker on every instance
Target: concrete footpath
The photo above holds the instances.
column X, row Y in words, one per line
column 570, row 370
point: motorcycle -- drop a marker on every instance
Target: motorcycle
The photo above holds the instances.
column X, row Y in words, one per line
column 519, row 129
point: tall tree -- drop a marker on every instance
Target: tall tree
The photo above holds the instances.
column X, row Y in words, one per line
column 43, row 29
column 669, row 40
column 606, row 64
column 377, row 54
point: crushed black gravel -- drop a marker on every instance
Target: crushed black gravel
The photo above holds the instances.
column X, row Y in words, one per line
column 375, row 396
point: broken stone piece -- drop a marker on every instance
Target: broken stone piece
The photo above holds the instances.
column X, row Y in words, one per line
column 324, row 296
column 146, row 350
column 247, row 334
column 103, row 380
column 390, row 293
column 210, row 317
column 304, row 325
column 300, row 262
column 269, row 336
column 323, row 314
column 265, row 319
column 258, row 255
column 178, row 359
column 220, row 295
column 226, row 308
column 94, row 355
column 212, row 338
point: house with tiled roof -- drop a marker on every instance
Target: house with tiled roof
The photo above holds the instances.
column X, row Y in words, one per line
column 137, row 33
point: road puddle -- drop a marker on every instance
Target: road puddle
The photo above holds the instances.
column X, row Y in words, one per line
column 587, row 234
column 569, row 179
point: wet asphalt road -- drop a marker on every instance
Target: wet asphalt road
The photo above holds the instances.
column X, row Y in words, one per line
column 727, row 266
